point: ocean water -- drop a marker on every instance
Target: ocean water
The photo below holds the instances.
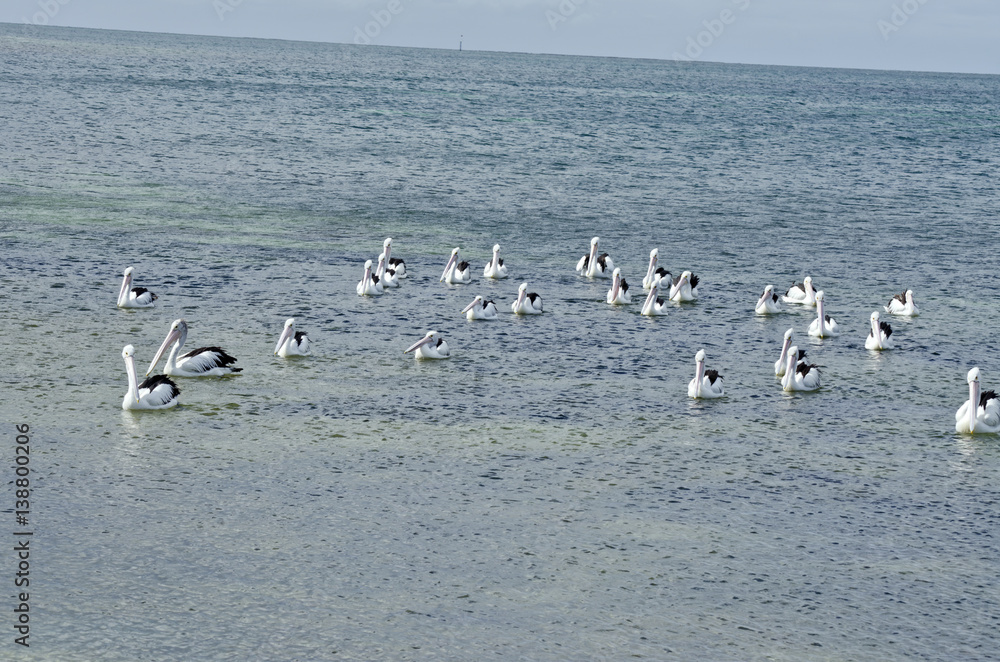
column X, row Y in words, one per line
column 548, row 493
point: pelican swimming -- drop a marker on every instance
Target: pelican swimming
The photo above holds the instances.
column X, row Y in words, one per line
column 292, row 342
column 431, row 346
column 593, row 265
column 823, row 326
column 456, row 272
column 618, row 294
column 527, row 303
column 879, row 337
column 684, row 288
column 780, row 364
column 385, row 276
column 156, row 392
column 393, row 263
column 981, row 412
column 654, row 272
column 495, row 267
column 134, row 297
column 370, row 285
column 801, row 293
column 201, row 362
column 902, row 304
column 653, row 305
column 480, row 310
column 799, row 376
column 706, row 383
column 768, row 302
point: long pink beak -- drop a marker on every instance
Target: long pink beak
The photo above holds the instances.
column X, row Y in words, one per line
column 167, row 342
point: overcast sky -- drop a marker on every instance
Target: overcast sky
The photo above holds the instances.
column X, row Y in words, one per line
column 923, row 35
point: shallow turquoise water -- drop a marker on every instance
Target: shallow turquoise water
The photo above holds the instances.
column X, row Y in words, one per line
column 549, row 492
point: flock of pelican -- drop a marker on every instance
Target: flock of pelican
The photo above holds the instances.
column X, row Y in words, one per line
column 979, row 414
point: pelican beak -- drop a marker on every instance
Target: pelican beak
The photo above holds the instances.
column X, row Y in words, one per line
column 470, row 306
column 171, row 338
column 451, row 261
column 420, row 343
column 123, row 292
column 973, row 404
column 521, row 296
column 286, row 333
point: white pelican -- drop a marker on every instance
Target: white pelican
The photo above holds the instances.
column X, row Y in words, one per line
column 823, row 326
column 618, row 294
column 902, row 304
column 292, row 342
column 654, row 272
column 456, row 272
column 593, row 265
column 684, row 288
column 393, row 263
column 801, row 293
column 480, row 310
column 431, row 346
column 768, row 302
column 385, row 276
column 156, row 392
column 981, row 412
column 879, row 337
column 654, row 306
column 134, row 297
column 495, row 267
column 706, row 383
column 370, row 285
column 201, row 362
column 527, row 303
column 799, row 376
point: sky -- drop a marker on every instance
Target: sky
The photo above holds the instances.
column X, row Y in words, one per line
column 917, row 35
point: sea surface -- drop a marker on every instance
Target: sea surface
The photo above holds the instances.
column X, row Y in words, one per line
column 550, row 492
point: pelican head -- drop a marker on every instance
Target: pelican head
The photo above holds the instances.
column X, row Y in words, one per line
column 496, row 248
column 177, row 334
column 387, row 243
column 973, row 375
column 128, row 272
column 128, row 352
column 768, row 290
column 700, row 356
column 478, row 300
column 286, row 333
column 429, row 338
column 368, row 265
column 452, row 261
column 653, row 254
column 808, row 280
column 593, row 242
column 788, row 334
column 819, row 295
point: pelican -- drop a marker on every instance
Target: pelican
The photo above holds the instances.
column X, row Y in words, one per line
column 902, row 304
column 684, row 288
column 292, row 342
column 456, row 272
column 779, row 365
column 981, row 412
column 799, row 376
column 480, row 310
column 654, row 272
column 654, row 306
column 385, row 276
column 393, row 263
column 801, row 293
column 495, row 268
column 593, row 265
column 880, row 335
column 370, row 285
column 768, row 302
column 201, row 362
column 134, row 297
column 431, row 346
column 528, row 303
column 618, row 294
column 156, row 392
column 706, row 383
column 823, row 326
